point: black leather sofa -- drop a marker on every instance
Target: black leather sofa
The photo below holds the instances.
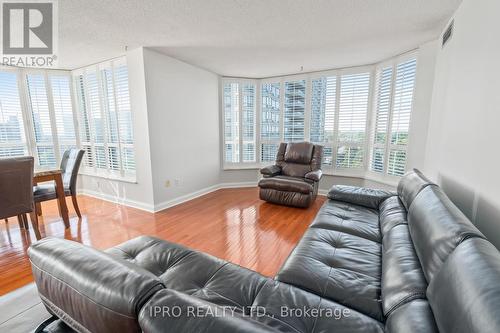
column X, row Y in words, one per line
column 372, row 261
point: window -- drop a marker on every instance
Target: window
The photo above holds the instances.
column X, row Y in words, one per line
column 270, row 131
column 361, row 116
column 240, row 119
column 12, row 135
column 323, row 105
column 51, row 115
column 105, row 119
column 353, row 112
column 294, row 111
column 394, row 102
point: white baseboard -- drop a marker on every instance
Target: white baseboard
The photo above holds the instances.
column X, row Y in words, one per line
column 199, row 193
column 118, row 200
column 165, row 204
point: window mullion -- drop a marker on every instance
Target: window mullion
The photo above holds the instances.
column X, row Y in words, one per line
column 389, row 120
column 104, row 115
column 22, row 87
column 117, row 110
column 89, row 120
column 336, row 117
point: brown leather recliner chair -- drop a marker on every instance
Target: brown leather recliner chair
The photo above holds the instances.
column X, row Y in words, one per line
column 294, row 179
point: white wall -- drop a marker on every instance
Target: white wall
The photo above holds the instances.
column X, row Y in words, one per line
column 139, row 194
column 183, row 116
column 462, row 146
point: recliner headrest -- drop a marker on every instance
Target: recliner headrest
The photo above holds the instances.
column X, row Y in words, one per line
column 299, row 152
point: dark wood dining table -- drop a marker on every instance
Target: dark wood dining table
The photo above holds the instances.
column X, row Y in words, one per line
column 56, row 177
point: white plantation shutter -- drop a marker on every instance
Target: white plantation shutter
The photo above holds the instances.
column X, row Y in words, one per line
column 41, row 118
column 231, row 123
column 63, row 111
column 84, row 122
column 12, row 135
column 248, row 122
column 105, row 115
column 352, row 118
column 240, row 121
column 270, row 121
column 294, row 111
column 382, row 110
column 394, row 103
column 323, row 104
column 124, row 116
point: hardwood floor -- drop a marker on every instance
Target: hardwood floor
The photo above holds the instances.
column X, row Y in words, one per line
column 232, row 224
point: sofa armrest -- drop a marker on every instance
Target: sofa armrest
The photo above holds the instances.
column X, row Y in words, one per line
column 271, row 171
column 314, row 175
column 362, row 196
column 88, row 289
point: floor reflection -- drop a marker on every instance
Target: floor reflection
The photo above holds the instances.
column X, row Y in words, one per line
column 232, row 224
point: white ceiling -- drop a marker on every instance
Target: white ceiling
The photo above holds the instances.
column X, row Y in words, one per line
column 250, row 38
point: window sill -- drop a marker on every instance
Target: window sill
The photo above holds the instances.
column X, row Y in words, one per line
column 345, row 173
column 126, row 179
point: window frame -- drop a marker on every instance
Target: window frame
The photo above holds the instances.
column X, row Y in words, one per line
column 240, row 164
column 27, row 112
column 384, row 176
column 362, row 172
column 108, row 172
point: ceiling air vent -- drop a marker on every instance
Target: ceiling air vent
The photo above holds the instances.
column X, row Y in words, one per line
column 448, row 33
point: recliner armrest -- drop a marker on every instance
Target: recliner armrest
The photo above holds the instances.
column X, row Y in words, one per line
column 89, row 289
column 314, row 175
column 271, row 171
column 362, row 196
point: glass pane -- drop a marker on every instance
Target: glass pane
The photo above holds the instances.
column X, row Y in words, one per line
column 12, row 138
column 293, row 118
column 349, row 157
column 397, row 163
column 231, row 122
column 403, row 101
column 383, row 104
column 248, row 122
column 377, row 163
column 323, row 109
column 269, row 152
column 270, row 118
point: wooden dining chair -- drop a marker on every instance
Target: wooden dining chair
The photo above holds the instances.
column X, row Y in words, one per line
column 16, row 191
column 70, row 164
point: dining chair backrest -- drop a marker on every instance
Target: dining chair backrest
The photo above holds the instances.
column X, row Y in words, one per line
column 70, row 164
column 16, row 186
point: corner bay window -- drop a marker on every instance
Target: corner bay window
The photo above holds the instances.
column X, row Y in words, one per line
column 360, row 116
column 45, row 112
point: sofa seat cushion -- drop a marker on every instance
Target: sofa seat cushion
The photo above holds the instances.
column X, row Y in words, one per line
column 287, row 184
column 349, row 218
column 44, row 192
column 402, row 277
column 338, row 266
column 199, row 281
column 191, row 272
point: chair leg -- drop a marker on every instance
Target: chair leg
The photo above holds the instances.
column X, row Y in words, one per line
column 75, row 204
column 34, row 223
column 38, row 208
column 25, row 220
column 20, row 220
